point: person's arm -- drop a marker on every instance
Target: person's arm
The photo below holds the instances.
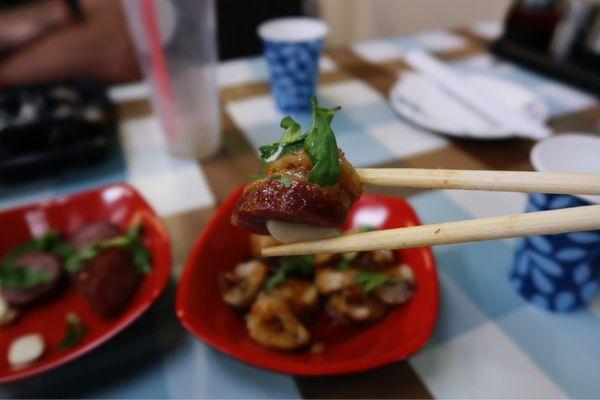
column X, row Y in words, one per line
column 98, row 47
column 22, row 25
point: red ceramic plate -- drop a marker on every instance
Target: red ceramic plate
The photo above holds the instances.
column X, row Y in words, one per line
column 404, row 331
column 120, row 204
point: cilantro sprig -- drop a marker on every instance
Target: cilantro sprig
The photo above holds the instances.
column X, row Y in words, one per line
column 301, row 265
column 132, row 241
column 347, row 260
column 14, row 277
column 372, row 280
column 318, row 142
column 75, row 331
column 50, row 242
column 321, row 147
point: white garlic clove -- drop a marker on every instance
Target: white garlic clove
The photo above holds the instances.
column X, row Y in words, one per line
column 26, row 349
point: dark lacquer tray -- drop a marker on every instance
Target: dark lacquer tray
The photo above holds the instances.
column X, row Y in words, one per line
column 565, row 70
column 45, row 128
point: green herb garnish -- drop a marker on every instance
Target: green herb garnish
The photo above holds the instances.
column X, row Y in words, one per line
column 302, row 265
column 363, row 229
column 285, row 182
column 347, row 260
column 141, row 255
column 14, row 277
column 132, row 241
column 318, row 142
column 321, row 147
column 372, row 280
column 50, row 242
column 74, row 332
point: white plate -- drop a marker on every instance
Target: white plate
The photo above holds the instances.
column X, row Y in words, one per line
column 574, row 152
column 424, row 103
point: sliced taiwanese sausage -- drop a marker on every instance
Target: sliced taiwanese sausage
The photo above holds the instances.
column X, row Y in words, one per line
column 109, row 281
column 94, row 232
column 295, row 199
column 36, row 260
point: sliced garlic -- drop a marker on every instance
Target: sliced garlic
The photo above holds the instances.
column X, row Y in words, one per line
column 26, row 349
column 290, row 232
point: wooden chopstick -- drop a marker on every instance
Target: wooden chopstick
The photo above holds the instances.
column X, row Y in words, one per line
column 536, row 223
column 509, row 181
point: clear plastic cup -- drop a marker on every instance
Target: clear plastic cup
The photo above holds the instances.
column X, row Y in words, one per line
column 176, row 46
column 293, row 47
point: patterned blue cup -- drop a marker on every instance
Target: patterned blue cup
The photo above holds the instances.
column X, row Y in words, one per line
column 292, row 47
column 557, row 272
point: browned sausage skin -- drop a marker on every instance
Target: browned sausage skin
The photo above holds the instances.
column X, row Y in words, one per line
column 306, row 179
column 41, row 261
column 298, row 201
column 93, row 233
column 109, row 281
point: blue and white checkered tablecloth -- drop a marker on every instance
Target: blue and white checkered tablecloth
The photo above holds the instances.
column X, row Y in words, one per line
column 488, row 342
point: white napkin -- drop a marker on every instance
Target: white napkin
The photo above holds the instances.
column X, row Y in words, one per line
column 490, row 108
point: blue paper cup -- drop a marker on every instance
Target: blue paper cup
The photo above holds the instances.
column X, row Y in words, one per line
column 292, row 47
column 560, row 273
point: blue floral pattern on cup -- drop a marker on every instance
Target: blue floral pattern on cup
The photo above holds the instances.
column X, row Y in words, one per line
column 557, row 272
column 294, row 69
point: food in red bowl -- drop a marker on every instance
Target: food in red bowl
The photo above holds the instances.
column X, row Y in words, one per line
column 75, row 271
column 202, row 303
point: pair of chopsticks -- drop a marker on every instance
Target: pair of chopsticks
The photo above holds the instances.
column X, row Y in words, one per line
column 528, row 224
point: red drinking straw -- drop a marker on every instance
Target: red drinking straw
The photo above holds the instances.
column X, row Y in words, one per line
column 160, row 74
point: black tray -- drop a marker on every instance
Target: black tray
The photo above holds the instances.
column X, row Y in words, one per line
column 46, row 128
column 585, row 78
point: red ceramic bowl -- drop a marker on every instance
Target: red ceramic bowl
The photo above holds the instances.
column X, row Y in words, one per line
column 404, row 331
column 120, row 204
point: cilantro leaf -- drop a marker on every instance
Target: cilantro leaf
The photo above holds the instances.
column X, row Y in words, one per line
column 363, row 229
column 302, row 265
column 372, row 280
column 318, row 142
column 290, row 141
column 321, row 147
column 142, row 258
column 74, row 332
column 132, row 241
column 292, row 147
column 285, row 182
column 269, row 150
column 292, row 132
column 347, row 260
column 50, row 242
column 14, row 277
column 77, row 261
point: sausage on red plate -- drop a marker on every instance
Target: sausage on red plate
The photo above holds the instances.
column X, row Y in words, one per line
column 93, row 233
column 295, row 199
column 109, row 281
column 36, row 260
